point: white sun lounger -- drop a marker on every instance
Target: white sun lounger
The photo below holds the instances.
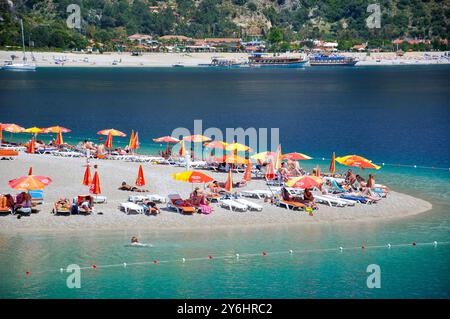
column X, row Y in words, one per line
column 232, row 205
column 99, row 199
column 153, row 197
column 131, row 207
column 257, row 193
column 250, row 205
column 331, row 201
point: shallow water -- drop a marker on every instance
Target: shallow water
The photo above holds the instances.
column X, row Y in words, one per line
column 392, row 115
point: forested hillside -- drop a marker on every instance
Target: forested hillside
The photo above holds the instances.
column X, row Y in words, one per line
column 105, row 20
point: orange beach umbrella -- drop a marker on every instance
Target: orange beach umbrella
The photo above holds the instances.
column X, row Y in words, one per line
column 248, row 172
column 59, row 139
column 333, row 164
column 140, row 180
column 296, row 156
column 12, row 128
column 229, row 182
column 196, row 138
column 30, row 171
column 166, row 139
column 56, row 129
column 192, row 177
column 110, row 133
column 31, row 149
column 304, row 182
column 356, row 161
column 216, row 144
column 237, row 147
column 94, row 187
column 87, row 176
column 30, row 182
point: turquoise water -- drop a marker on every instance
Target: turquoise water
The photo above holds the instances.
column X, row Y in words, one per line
column 392, row 115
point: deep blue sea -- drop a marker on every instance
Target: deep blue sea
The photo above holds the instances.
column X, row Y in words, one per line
column 391, row 115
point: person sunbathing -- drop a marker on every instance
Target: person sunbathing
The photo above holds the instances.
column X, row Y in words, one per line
column 10, row 201
column 23, row 201
column 308, row 197
column 62, row 204
column 217, row 188
column 126, row 187
column 197, row 197
column 151, row 208
column 86, row 205
column 240, row 184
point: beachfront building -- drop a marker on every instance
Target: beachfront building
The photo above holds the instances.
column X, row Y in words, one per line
column 359, row 47
column 224, row 44
column 320, row 45
column 140, row 38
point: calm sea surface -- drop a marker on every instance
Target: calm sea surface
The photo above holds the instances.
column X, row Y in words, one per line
column 392, row 115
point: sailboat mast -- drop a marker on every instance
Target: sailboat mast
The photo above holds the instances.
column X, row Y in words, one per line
column 23, row 40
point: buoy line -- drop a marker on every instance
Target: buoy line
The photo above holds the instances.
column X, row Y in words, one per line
column 237, row 256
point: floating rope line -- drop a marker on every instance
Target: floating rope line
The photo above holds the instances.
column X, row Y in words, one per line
column 400, row 165
column 237, row 256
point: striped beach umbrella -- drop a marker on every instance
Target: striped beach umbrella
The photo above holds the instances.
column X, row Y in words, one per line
column 296, row 156
column 356, row 161
column 196, row 138
column 192, row 177
column 166, row 139
column 304, row 182
column 30, row 182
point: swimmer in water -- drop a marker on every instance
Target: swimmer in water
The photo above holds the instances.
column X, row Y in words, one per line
column 134, row 240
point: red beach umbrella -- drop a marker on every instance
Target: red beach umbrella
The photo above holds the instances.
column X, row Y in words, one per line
column 182, row 150
column 94, row 187
column 270, row 173
column 87, row 176
column 229, row 182
column 31, row 149
column 140, row 180
column 248, row 172
column 333, row 164
column 108, row 141
column 59, row 139
column 30, row 171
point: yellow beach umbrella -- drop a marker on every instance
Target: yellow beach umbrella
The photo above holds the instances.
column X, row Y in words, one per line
column 237, row 147
column 356, row 161
column 192, row 177
column 263, row 156
column 34, row 130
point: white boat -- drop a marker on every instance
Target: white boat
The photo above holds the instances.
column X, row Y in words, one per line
column 24, row 66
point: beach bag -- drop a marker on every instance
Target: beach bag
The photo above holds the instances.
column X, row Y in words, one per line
column 74, row 209
column 205, row 209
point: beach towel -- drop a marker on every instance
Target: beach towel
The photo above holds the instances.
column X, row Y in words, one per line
column 205, row 209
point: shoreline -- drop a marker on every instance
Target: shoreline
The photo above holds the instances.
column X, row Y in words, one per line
column 164, row 60
column 67, row 174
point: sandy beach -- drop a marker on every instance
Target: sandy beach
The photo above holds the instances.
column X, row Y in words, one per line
column 111, row 59
column 67, row 174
